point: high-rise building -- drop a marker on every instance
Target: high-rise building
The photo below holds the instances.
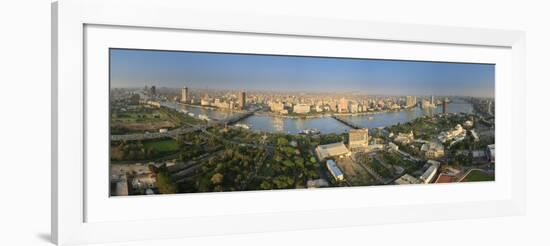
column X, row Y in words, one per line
column 153, row 90
column 343, row 106
column 432, row 101
column 358, row 138
column 410, row 102
column 445, row 106
column 242, row 99
column 134, row 99
column 353, row 107
column 301, row 108
column 184, row 95
column 276, row 106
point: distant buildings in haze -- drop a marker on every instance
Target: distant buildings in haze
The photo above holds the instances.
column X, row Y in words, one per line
column 301, row 108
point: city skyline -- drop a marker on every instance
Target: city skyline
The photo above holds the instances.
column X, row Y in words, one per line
column 222, row 71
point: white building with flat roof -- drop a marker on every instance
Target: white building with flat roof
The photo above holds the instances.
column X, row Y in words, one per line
column 453, row 134
column 404, row 138
column 334, row 170
column 331, row 150
column 430, row 174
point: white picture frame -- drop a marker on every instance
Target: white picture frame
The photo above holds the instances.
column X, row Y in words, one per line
column 79, row 217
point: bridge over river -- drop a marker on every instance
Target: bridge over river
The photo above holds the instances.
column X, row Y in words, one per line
column 346, row 122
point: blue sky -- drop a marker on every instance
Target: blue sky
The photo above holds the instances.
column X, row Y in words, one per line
column 175, row 69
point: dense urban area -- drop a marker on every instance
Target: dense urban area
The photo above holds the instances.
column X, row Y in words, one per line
column 185, row 140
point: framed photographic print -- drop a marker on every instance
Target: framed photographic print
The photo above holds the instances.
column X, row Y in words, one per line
column 172, row 124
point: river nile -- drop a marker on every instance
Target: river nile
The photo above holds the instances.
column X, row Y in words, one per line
column 326, row 124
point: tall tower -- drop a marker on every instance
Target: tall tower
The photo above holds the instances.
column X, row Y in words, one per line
column 242, row 99
column 445, row 105
column 153, row 90
column 184, row 95
column 433, row 100
column 410, row 101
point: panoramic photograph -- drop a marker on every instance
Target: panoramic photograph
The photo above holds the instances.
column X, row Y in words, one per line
column 195, row 122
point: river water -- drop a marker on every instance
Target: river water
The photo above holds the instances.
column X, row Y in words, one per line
column 326, row 124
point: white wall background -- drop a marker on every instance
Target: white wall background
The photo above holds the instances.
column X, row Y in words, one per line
column 25, row 122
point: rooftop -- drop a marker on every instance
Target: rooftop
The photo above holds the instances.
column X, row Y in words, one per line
column 407, row 179
column 333, row 149
column 333, row 168
column 444, row 178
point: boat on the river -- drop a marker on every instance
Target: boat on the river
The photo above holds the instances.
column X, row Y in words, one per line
column 244, row 126
column 310, row 131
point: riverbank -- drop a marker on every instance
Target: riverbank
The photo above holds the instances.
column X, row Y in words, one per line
column 209, row 107
column 321, row 115
column 265, row 121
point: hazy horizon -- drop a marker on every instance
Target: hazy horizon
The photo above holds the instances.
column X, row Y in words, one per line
column 275, row 73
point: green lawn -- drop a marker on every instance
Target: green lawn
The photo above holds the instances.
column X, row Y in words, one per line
column 380, row 169
column 144, row 119
column 477, row 175
column 393, row 158
column 162, row 145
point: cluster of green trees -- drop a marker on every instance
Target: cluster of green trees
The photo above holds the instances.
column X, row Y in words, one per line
column 413, row 149
column 461, row 159
column 365, row 159
column 428, row 128
column 291, row 165
column 165, row 184
column 131, row 151
column 379, row 168
column 143, row 150
column 231, row 170
column 333, row 138
column 393, row 158
column 282, row 162
column 195, row 144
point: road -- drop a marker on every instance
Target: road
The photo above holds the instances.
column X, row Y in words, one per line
column 182, row 130
column 146, row 136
